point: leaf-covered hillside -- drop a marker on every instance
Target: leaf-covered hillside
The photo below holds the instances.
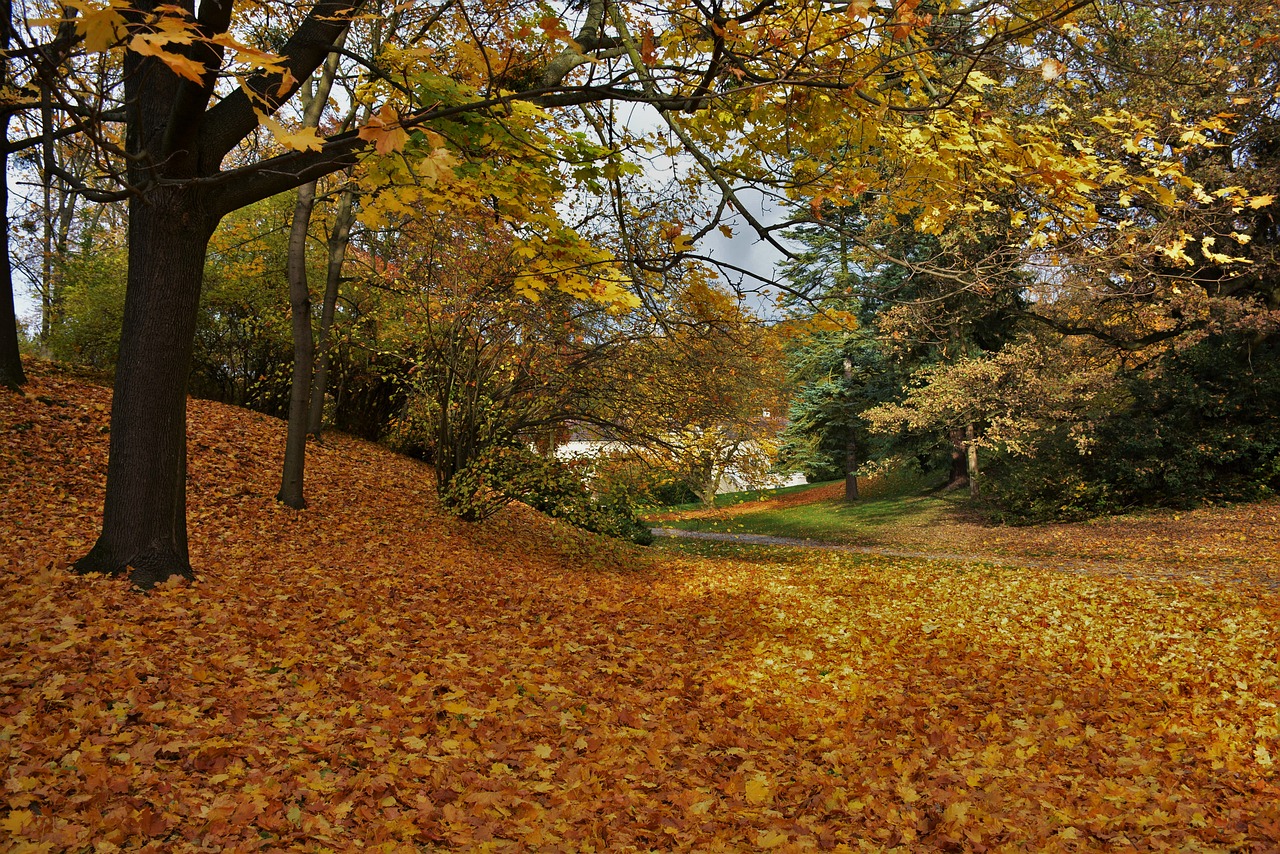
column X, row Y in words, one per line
column 367, row 673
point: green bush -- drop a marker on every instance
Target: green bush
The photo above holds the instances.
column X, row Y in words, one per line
column 503, row 474
column 86, row 330
column 1202, row 425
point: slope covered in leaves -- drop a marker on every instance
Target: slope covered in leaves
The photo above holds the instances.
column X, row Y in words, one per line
column 366, row 673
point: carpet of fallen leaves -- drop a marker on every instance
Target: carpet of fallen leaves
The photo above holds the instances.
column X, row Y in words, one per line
column 366, row 673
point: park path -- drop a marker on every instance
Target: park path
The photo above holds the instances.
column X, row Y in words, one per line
column 796, row 542
column 1114, row 568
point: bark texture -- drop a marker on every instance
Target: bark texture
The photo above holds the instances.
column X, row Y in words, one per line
column 850, row 446
column 971, row 460
column 295, row 449
column 177, row 144
column 144, row 529
column 11, row 374
column 339, row 240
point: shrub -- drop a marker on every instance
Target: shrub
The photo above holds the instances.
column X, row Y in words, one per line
column 503, row 474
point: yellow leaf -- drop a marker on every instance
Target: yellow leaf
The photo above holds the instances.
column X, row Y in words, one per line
column 304, row 139
column 16, row 821
column 771, row 839
column 1051, row 69
column 180, row 65
column 757, row 790
column 1261, row 201
column 542, row 751
column 957, row 812
column 384, row 131
column 101, row 28
column 683, row 243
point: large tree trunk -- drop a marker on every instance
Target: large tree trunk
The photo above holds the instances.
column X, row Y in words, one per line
column 339, row 240
column 11, row 375
column 144, row 529
column 295, row 449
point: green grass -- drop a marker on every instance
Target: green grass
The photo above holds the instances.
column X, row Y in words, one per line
column 729, row 499
column 885, row 505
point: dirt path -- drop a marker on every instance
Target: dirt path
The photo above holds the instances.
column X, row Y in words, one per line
column 1260, row 574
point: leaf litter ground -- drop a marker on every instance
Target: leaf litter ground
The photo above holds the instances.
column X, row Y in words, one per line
column 369, row 674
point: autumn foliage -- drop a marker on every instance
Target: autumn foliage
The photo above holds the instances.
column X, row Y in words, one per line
column 371, row 673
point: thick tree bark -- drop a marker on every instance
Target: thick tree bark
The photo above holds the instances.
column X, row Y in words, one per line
column 144, row 529
column 291, row 491
column 339, row 240
column 11, row 375
column 176, row 144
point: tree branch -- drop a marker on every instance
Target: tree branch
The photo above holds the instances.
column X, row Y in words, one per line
column 234, row 117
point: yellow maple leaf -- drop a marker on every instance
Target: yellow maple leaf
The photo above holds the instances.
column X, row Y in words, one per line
column 1261, row 201
column 180, row 65
column 771, row 839
column 757, row 791
column 16, row 821
column 303, row 139
column 384, row 131
column 957, row 812
column 101, row 28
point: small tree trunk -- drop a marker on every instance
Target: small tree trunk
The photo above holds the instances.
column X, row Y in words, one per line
column 291, row 491
column 144, row 527
column 959, row 475
column 851, row 470
column 339, row 240
column 971, row 456
column 313, row 100
column 851, row 443
column 708, row 484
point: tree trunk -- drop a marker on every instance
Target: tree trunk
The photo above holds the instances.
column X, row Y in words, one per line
column 11, row 375
column 295, row 450
column 144, row 529
column 959, row 464
column 971, row 457
column 339, row 239
column 851, row 470
column 851, row 443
